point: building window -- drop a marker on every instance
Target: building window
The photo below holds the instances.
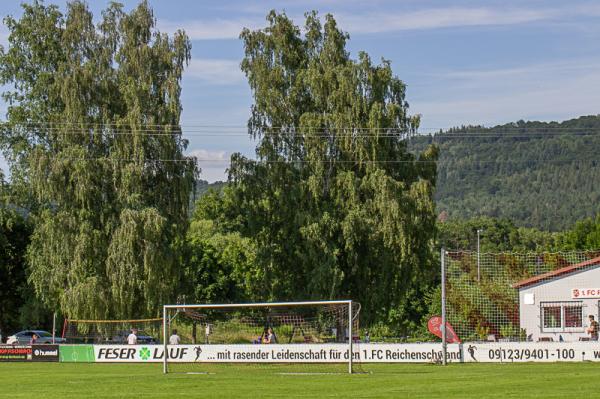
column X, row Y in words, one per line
column 573, row 316
column 552, row 317
column 562, row 316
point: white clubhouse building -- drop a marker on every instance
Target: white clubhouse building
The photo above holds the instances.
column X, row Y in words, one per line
column 555, row 306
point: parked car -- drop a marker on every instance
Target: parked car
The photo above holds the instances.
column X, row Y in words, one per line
column 142, row 338
column 24, row 337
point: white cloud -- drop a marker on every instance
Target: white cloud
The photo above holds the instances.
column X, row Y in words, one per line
column 210, row 29
column 390, row 21
column 212, row 163
column 440, row 18
column 217, row 156
column 215, row 71
column 551, row 91
column 569, row 67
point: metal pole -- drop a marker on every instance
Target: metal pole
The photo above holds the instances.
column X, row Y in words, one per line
column 350, row 336
column 54, row 328
column 478, row 268
column 165, row 349
column 444, row 344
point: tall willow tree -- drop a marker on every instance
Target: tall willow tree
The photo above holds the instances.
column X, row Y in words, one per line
column 337, row 205
column 93, row 134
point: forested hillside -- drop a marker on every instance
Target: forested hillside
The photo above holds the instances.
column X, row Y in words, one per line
column 537, row 174
column 202, row 187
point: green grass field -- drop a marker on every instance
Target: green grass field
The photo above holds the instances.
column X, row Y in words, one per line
column 62, row 380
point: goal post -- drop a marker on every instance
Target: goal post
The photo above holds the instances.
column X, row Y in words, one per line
column 304, row 336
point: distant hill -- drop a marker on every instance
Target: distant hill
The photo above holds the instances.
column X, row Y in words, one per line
column 202, row 187
column 537, row 174
column 544, row 175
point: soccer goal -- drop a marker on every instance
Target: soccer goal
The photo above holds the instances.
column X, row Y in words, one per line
column 286, row 337
column 112, row 331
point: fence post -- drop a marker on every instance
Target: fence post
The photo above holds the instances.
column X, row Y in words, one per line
column 444, row 344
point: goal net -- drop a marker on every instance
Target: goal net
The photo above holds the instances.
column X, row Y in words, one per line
column 148, row 331
column 287, row 337
column 527, row 297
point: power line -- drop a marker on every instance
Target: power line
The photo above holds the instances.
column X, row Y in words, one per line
column 156, row 127
column 225, row 126
column 328, row 133
column 383, row 161
column 183, row 131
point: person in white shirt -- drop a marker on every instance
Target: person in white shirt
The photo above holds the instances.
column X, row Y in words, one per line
column 174, row 338
column 132, row 338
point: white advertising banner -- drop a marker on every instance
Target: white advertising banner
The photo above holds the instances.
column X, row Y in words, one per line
column 511, row 352
column 277, row 353
column 494, row 352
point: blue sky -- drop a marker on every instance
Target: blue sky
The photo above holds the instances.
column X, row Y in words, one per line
column 464, row 62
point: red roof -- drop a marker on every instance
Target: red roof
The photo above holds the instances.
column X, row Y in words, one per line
column 558, row 272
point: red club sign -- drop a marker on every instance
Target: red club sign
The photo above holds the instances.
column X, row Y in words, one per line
column 583, row 293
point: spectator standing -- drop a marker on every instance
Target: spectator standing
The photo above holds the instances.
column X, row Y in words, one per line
column 132, row 338
column 593, row 329
column 174, row 338
column 271, row 338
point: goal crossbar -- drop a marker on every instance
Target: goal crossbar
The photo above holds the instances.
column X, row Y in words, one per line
column 258, row 304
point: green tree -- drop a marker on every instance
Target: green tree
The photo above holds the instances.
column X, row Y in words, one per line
column 219, row 267
column 19, row 307
column 585, row 235
column 335, row 203
column 93, row 136
column 15, row 233
column 497, row 235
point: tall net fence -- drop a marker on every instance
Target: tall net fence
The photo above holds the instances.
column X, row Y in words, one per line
column 522, row 297
column 148, row 331
column 292, row 338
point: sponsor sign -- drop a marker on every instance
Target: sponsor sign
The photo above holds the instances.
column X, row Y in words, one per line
column 15, row 353
column 519, row 352
column 28, row 353
column 285, row 353
column 585, row 293
column 45, row 353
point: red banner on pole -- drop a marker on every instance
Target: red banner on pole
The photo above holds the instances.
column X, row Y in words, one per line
column 435, row 327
